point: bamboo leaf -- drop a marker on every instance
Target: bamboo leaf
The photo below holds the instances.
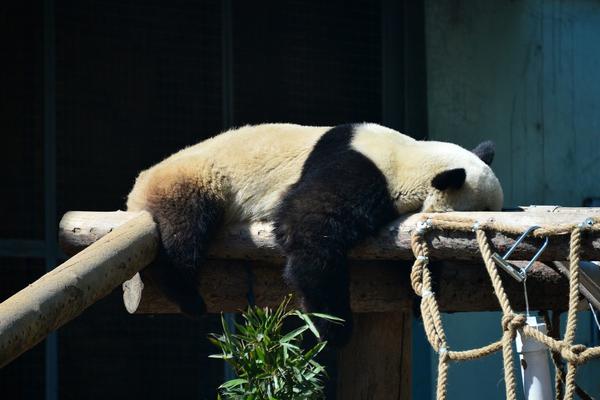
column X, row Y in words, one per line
column 232, row 383
column 327, row 317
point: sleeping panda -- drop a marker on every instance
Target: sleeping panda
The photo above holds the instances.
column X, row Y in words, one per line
column 325, row 189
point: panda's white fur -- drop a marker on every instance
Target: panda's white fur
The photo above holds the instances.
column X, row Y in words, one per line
column 252, row 166
column 325, row 189
column 409, row 166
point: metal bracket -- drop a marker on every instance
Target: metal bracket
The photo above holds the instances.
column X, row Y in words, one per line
column 518, row 273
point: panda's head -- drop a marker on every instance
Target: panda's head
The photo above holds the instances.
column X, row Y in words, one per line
column 462, row 179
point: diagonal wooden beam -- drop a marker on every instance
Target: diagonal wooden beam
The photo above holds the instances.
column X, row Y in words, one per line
column 62, row 294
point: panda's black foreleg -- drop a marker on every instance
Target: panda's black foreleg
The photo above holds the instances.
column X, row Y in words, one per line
column 315, row 229
column 316, row 269
column 187, row 218
column 322, row 282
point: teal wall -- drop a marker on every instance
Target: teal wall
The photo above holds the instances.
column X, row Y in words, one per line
column 525, row 74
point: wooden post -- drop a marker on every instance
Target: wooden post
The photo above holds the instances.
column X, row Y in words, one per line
column 376, row 364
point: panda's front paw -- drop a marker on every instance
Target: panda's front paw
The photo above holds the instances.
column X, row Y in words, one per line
column 337, row 334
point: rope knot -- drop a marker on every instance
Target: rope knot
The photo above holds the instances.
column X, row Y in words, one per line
column 571, row 354
column 443, row 353
column 513, row 322
column 578, row 348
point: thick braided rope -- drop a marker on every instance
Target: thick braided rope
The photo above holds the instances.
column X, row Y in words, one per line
column 421, row 283
column 559, row 372
column 510, row 322
column 553, row 325
column 432, row 320
column 575, row 247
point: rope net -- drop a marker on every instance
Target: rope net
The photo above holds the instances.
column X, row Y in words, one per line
column 565, row 349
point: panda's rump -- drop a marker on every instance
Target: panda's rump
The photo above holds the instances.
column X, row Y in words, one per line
column 250, row 168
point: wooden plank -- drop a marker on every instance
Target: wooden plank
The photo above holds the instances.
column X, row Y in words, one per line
column 227, row 285
column 62, row 294
column 376, row 364
column 256, row 241
column 381, row 286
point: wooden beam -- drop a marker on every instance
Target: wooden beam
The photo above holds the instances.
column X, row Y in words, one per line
column 256, row 242
column 381, row 286
column 62, row 294
column 229, row 286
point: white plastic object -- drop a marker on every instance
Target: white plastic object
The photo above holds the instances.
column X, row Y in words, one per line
column 535, row 369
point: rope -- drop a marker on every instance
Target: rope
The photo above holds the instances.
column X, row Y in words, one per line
column 554, row 332
column 573, row 354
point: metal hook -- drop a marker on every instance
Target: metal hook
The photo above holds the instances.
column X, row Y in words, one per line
column 518, row 273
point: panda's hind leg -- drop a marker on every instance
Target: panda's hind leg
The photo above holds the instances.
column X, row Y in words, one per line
column 188, row 212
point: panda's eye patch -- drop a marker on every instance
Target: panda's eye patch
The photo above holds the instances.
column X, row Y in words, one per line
column 449, row 179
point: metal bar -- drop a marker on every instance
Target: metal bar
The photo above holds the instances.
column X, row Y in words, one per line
column 227, row 109
column 404, row 107
column 227, row 62
column 22, row 248
column 414, row 68
column 50, row 223
column 392, row 65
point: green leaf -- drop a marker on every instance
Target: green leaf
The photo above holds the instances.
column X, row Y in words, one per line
column 233, row 383
column 315, row 350
column 293, row 334
column 309, row 323
column 327, row 317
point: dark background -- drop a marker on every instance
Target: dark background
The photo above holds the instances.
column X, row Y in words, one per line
column 130, row 82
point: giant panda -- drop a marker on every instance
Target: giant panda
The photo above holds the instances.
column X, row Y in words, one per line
column 325, row 189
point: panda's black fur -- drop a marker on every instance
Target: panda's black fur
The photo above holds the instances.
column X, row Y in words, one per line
column 340, row 197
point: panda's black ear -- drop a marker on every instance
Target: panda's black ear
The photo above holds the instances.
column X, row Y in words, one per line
column 449, row 179
column 485, row 151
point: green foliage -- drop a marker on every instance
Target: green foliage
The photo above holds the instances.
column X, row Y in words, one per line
column 271, row 364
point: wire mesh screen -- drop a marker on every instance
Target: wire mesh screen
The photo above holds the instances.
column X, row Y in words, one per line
column 315, row 63
column 137, row 81
column 20, row 121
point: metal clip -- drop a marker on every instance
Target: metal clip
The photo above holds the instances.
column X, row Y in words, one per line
column 587, row 223
column 423, row 226
column 518, row 273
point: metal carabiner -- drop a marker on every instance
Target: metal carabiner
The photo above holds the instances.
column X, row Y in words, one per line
column 518, row 273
